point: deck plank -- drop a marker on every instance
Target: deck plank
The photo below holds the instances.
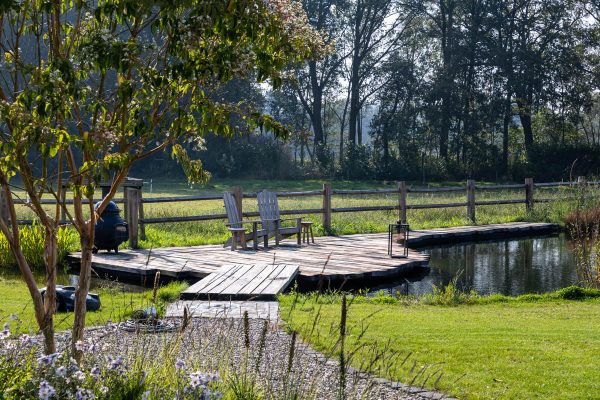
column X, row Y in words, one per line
column 259, row 281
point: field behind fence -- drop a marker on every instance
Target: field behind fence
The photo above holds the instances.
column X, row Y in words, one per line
column 170, row 219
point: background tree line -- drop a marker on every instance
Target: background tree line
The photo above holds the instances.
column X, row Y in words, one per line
column 433, row 90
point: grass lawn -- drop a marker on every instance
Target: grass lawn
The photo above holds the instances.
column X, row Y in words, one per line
column 544, row 349
column 116, row 305
column 213, row 232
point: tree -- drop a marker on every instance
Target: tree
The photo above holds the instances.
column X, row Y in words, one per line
column 101, row 85
column 377, row 27
column 317, row 77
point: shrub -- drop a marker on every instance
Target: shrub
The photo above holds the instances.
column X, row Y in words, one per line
column 577, row 293
column 32, row 244
column 531, row 297
column 583, row 223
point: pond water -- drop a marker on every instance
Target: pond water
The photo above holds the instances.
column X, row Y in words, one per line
column 511, row 267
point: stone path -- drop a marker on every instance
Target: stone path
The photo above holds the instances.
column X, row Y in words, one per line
column 225, row 309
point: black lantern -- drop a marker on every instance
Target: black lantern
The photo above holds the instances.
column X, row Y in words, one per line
column 401, row 230
column 110, row 230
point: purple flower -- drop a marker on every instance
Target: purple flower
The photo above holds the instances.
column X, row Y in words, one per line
column 46, row 391
column 195, row 380
column 80, row 346
column 14, row 316
column 95, row 371
column 79, row 375
column 61, row 371
column 4, row 334
column 180, row 364
column 44, row 360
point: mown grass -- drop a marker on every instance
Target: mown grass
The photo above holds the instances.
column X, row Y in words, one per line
column 215, row 231
column 494, row 348
column 117, row 304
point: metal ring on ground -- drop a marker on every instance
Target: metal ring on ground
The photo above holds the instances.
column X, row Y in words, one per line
column 150, row 325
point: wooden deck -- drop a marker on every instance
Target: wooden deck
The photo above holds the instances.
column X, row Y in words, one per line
column 335, row 257
column 259, row 281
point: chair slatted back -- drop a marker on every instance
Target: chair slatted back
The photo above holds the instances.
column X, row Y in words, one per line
column 231, row 210
column 268, row 207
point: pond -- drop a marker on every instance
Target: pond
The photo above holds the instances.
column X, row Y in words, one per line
column 510, row 267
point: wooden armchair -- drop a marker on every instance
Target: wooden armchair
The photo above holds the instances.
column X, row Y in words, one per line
column 238, row 232
column 269, row 214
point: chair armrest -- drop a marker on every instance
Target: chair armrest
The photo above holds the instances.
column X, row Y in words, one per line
column 246, row 222
column 291, row 219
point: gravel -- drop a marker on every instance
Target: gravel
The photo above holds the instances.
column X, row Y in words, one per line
column 211, row 344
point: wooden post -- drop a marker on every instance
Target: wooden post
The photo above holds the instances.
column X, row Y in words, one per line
column 4, row 214
column 141, row 215
column 529, row 200
column 402, row 202
column 471, row 199
column 132, row 216
column 327, row 206
column 125, row 211
column 238, row 195
column 581, row 185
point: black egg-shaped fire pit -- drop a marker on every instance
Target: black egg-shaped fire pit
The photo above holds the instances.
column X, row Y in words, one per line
column 110, row 230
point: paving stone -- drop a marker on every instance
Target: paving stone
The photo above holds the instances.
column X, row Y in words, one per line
column 225, row 309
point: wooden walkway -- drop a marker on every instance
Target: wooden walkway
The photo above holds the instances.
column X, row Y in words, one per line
column 244, row 282
column 335, row 257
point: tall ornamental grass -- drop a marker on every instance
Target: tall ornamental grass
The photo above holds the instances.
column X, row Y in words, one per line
column 32, row 243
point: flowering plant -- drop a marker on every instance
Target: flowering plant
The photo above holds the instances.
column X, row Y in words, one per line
column 26, row 373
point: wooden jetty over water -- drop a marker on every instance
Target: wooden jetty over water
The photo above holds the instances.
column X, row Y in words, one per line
column 348, row 257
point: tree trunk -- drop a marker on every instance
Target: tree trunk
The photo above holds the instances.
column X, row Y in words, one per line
column 50, row 255
column 354, row 110
column 83, row 287
column 447, row 15
column 15, row 244
column 359, row 127
column 317, row 104
column 525, row 117
column 507, row 116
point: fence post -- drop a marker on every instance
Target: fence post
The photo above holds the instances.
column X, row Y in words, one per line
column 471, row 199
column 141, row 214
column 125, row 202
column 132, row 216
column 529, row 200
column 4, row 209
column 581, row 184
column 238, row 196
column 327, row 206
column 402, row 202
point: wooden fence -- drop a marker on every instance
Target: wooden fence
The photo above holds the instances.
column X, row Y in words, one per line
column 134, row 212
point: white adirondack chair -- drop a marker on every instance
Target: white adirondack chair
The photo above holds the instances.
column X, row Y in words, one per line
column 238, row 232
column 269, row 214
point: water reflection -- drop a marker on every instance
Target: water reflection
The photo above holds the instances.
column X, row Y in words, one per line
column 510, row 267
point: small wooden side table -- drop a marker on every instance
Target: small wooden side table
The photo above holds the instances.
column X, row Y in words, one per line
column 306, row 228
column 238, row 234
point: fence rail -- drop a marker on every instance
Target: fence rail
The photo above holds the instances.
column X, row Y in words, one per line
column 134, row 211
